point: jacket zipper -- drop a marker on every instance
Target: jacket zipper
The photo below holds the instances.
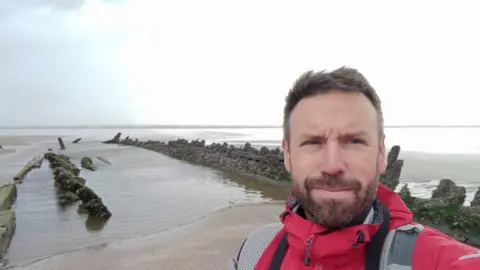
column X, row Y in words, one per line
column 306, row 261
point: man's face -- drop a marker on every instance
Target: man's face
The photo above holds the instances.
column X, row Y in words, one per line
column 334, row 156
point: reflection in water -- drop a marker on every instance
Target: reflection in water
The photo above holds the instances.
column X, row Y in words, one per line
column 94, row 224
column 257, row 187
column 63, row 208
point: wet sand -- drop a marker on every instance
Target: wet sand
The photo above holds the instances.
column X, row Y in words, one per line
column 206, row 243
column 5, row 151
column 11, row 143
column 147, row 193
column 23, row 140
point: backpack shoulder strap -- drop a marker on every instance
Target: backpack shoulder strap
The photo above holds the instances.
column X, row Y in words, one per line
column 279, row 255
column 254, row 246
column 397, row 252
column 374, row 248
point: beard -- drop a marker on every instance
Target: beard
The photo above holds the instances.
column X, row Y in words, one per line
column 334, row 213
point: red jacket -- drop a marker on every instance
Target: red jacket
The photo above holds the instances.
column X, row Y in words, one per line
column 432, row 250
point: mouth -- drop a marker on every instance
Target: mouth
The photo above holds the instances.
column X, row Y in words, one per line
column 331, row 189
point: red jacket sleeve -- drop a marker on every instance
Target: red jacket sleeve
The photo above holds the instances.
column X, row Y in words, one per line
column 437, row 251
column 470, row 261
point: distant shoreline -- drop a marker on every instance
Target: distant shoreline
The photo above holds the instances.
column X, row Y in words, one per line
column 208, row 126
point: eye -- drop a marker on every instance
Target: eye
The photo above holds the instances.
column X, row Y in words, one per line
column 310, row 142
column 356, row 141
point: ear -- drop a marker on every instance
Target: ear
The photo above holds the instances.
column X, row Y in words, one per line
column 382, row 157
column 286, row 155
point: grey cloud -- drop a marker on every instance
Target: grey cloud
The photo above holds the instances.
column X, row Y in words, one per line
column 51, row 74
column 32, row 4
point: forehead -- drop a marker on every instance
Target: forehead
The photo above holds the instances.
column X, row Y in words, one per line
column 334, row 111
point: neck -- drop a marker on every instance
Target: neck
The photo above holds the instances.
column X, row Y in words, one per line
column 360, row 219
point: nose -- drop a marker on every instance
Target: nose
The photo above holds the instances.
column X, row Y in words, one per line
column 332, row 160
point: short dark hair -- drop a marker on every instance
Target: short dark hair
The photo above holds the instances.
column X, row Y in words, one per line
column 313, row 83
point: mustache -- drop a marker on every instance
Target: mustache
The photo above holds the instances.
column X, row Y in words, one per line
column 332, row 181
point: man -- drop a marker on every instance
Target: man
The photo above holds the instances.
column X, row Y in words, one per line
column 339, row 216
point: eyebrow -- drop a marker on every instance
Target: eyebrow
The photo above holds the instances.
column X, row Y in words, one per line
column 357, row 133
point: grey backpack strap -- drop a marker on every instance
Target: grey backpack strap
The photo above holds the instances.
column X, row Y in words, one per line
column 398, row 247
column 254, row 246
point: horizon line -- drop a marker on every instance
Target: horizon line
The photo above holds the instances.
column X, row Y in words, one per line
column 205, row 126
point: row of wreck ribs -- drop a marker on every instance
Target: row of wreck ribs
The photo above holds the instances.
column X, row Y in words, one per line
column 71, row 187
column 445, row 210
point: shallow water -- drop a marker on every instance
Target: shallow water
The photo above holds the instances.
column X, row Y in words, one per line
column 148, row 192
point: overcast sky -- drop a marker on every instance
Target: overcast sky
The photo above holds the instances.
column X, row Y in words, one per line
column 230, row 62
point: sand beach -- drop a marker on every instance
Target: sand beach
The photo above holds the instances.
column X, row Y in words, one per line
column 206, row 243
column 10, row 144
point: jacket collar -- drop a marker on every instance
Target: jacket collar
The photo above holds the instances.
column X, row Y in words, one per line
column 344, row 244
